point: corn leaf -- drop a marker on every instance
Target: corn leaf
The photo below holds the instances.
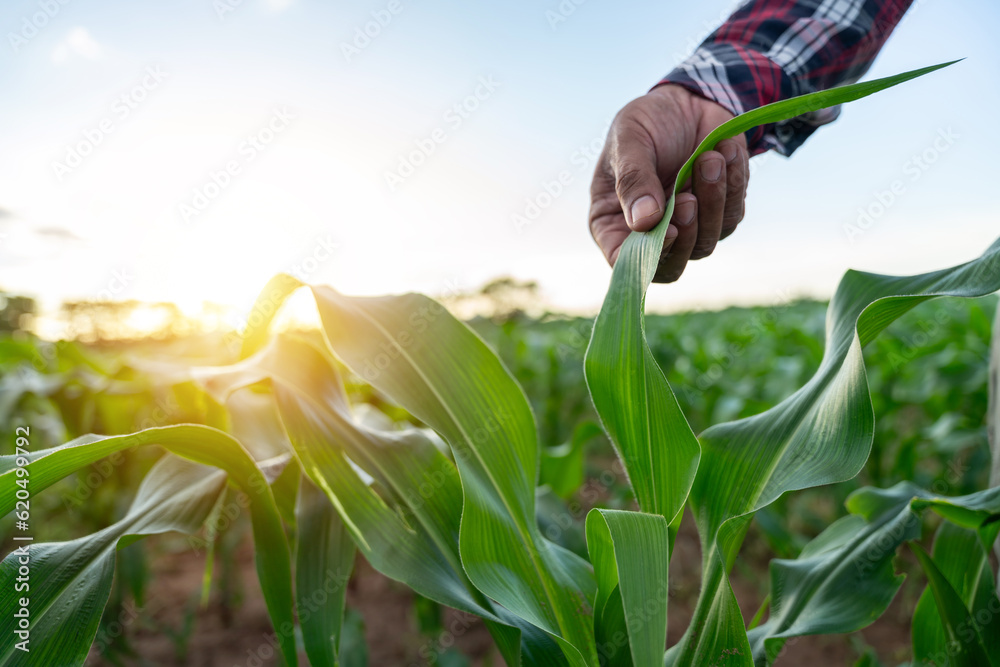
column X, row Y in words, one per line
column 844, row 579
column 630, row 393
column 410, row 348
column 960, row 558
column 324, row 559
column 201, row 444
column 407, row 528
column 976, row 511
column 67, row 584
column 855, row 555
column 960, row 629
column 744, row 467
column 562, row 465
column 630, row 553
column 636, row 405
column 821, row 434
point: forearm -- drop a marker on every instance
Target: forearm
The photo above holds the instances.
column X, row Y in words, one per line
column 770, row 50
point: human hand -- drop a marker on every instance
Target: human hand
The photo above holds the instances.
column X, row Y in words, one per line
column 649, row 141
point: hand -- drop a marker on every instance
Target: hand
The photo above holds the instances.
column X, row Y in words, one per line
column 648, row 142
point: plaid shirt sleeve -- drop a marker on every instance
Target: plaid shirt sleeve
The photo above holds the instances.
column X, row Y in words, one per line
column 770, row 50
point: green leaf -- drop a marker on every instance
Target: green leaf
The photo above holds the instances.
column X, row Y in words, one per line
column 976, row 511
column 961, row 559
column 286, row 493
column 797, row 106
column 819, row 435
column 637, row 407
column 201, row 444
column 411, row 349
column 852, row 555
column 407, row 527
column 353, row 649
column 67, row 584
column 868, row 659
column 963, row 640
column 844, row 579
column 630, row 552
column 611, row 631
column 634, row 401
column 562, row 466
column 324, row 559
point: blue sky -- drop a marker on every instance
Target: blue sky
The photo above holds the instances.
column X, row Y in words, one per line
column 226, row 141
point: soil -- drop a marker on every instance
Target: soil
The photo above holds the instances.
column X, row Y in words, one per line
column 237, row 637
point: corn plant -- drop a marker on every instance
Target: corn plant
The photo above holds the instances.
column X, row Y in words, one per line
column 449, row 508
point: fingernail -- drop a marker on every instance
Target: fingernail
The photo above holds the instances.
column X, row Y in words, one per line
column 711, row 170
column 729, row 151
column 685, row 213
column 644, row 207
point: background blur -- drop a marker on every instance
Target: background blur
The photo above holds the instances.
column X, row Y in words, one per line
column 391, row 146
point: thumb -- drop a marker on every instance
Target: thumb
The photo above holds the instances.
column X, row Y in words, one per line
column 636, row 182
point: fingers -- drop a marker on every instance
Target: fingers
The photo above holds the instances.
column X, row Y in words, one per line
column 720, row 184
column 642, row 153
column 607, row 224
column 709, row 186
column 674, row 257
column 633, row 164
column 737, row 177
column 609, row 239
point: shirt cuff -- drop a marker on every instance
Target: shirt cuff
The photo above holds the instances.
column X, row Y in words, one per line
column 740, row 79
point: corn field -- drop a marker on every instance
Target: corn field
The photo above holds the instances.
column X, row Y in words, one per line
column 459, row 461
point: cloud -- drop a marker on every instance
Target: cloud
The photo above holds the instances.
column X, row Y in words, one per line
column 59, row 233
column 78, row 43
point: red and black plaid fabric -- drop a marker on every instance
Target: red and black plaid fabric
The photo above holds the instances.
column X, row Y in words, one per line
column 770, row 50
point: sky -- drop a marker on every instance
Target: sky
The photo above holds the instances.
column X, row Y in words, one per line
column 188, row 151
